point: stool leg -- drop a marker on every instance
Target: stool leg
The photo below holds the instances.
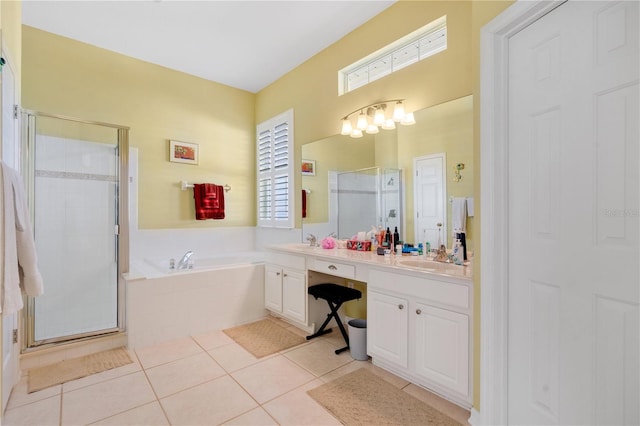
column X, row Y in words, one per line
column 321, row 330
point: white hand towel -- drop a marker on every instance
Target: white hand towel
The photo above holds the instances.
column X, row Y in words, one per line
column 470, row 206
column 458, row 215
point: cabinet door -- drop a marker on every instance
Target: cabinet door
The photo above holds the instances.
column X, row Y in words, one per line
column 294, row 295
column 387, row 327
column 273, row 288
column 442, row 347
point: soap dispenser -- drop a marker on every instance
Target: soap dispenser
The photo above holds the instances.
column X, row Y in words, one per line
column 458, row 257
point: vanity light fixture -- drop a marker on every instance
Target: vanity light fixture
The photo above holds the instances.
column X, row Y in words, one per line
column 371, row 117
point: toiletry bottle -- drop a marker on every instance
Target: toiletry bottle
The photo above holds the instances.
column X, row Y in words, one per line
column 427, row 250
column 387, row 238
column 420, row 249
column 396, row 236
column 458, row 257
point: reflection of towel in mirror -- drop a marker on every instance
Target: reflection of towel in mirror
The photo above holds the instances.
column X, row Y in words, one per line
column 304, row 203
column 209, row 201
column 459, row 215
column 21, row 273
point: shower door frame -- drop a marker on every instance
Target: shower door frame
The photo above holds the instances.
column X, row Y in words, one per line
column 29, row 118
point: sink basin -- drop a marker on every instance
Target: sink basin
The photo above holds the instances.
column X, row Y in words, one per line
column 423, row 264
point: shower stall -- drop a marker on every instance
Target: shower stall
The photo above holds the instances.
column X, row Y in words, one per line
column 369, row 197
column 77, row 184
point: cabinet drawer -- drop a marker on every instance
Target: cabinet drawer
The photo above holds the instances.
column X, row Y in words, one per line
column 287, row 260
column 334, row 268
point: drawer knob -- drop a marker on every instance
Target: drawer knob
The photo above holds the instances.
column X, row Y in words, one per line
column 277, row 273
column 401, row 306
column 285, row 275
column 418, row 311
column 333, row 268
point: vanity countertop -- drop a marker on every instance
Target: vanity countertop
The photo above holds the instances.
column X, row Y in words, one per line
column 413, row 264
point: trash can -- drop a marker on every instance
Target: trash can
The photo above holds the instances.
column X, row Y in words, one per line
column 358, row 339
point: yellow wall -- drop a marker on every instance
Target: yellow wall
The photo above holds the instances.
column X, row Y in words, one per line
column 66, row 77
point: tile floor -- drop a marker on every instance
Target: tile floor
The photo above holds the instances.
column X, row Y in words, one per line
column 204, row 380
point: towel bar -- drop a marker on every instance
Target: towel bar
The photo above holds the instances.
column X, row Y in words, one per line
column 185, row 185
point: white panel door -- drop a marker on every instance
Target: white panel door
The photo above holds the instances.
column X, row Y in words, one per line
column 273, row 288
column 387, row 328
column 11, row 157
column 294, row 295
column 430, row 190
column 573, row 217
column 447, row 361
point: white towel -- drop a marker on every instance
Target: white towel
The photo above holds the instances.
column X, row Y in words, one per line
column 470, row 206
column 458, row 215
column 20, row 274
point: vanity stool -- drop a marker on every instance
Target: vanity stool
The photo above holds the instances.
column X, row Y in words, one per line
column 335, row 295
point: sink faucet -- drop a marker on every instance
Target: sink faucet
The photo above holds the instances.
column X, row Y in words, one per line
column 313, row 241
column 184, row 262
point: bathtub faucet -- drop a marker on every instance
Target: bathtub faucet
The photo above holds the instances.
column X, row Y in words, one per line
column 184, row 262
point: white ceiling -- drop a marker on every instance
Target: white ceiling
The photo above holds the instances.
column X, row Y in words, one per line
column 243, row 44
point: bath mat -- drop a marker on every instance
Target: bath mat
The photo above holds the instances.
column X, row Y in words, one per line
column 76, row 368
column 362, row 398
column 264, row 337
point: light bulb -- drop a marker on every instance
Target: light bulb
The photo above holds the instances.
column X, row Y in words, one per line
column 408, row 119
column 346, row 127
column 356, row 133
column 362, row 121
column 372, row 129
column 389, row 124
column 378, row 118
column 398, row 112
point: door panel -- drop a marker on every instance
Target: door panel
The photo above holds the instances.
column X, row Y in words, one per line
column 573, row 217
column 430, row 193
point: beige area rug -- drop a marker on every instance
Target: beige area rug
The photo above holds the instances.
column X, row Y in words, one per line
column 362, row 398
column 264, row 337
column 76, row 368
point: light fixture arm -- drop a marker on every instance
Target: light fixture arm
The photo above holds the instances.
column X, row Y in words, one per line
column 371, row 105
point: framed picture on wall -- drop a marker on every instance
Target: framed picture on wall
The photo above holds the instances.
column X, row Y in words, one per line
column 308, row 167
column 183, row 152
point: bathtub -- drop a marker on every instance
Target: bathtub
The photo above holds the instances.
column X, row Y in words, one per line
column 219, row 292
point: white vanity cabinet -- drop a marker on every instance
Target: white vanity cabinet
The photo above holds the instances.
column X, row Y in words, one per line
column 419, row 329
column 285, row 286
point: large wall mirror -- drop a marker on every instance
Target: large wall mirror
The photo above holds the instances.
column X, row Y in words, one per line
column 436, row 166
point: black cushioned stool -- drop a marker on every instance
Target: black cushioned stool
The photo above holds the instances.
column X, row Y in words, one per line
column 335, row 295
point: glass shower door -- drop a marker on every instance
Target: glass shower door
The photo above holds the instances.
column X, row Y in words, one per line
column 75, row 192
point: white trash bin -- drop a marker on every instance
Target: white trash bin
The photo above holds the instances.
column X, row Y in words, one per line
column 358, row 339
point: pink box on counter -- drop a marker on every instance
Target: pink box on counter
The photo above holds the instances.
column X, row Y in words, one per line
column 359, row 245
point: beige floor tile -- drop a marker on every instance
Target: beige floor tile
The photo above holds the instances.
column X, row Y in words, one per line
column 152, row 356
column 40, row 413
column 211, row 403
column 105, row 399
column 298, row 408
column 233, row 357
column 105, row 375
column 318, row 357
column 147, row 415
column 184, row 373
column 19, row 395
column 345, row 369
column 255, row 417
column 271, row 378
column 449, row 408
column 212, row 340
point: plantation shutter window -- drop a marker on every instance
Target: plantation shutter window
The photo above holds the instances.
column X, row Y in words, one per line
column 275, row 172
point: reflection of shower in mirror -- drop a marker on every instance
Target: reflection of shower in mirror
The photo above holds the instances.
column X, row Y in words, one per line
column 392, row 212
column 390, row 183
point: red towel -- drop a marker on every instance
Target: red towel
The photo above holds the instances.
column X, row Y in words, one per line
column 209, row 201
column 304, row 203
